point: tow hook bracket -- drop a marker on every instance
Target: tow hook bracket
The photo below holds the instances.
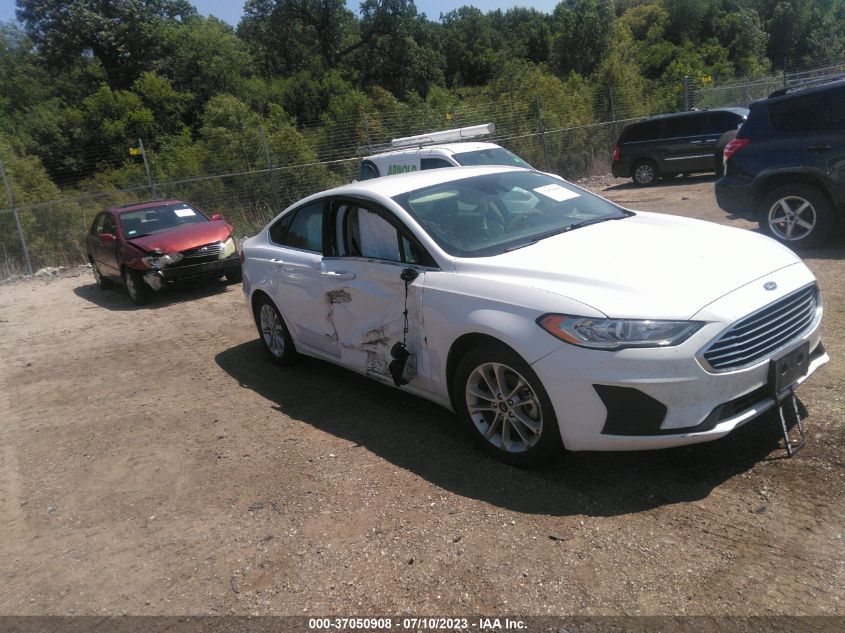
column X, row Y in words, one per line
column 792, row 445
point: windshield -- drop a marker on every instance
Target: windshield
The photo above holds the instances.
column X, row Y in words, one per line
column 492, row 156
column 490, row 214
column 158, row 219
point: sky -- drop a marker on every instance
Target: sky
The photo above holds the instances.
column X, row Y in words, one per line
column 231, row 10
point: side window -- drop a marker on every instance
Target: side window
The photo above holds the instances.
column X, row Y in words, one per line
column 368, row 170
column 684, row 126
column 794, row 115
column 721, row 122
column 435, row 163
column 645, row 131
column 833, row 111
column 108, row 225
column 97, row 226
column 303, row 230
column 368, row 234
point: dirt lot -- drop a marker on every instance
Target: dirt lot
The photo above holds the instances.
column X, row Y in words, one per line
column 152, row 461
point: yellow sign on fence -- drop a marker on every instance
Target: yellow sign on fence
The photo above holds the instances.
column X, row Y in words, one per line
column 134, row 151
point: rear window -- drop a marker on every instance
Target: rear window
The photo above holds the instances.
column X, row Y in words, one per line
column 795, row 114
column 833, row 110
column 492, row 156
column 645, row 131
column 721, row 122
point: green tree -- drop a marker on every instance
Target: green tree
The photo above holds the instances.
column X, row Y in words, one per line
column 471, row 47
column 581, row 35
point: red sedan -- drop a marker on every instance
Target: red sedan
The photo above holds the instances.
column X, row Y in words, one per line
column 149, row 244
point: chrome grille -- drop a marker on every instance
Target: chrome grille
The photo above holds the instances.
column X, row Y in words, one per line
column 758, row 335
column 204, row 251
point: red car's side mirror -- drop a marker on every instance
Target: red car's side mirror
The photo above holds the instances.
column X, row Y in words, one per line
column 216, row 216
column 107, row 238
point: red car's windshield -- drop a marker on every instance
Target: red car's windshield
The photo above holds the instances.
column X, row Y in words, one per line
column 158, row 219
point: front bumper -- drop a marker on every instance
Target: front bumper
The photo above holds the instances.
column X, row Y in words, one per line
column 635, row 399
column 177, row 273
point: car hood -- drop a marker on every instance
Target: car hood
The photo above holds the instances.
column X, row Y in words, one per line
column 645, row 266
column 184, row 237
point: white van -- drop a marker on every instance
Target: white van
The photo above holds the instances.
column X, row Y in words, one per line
column 436, row 150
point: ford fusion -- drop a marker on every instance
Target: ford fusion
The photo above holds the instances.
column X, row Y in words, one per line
column 149, row 244
column 543, row 315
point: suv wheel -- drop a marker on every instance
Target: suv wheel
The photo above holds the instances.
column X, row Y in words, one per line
column 797, row 215
column 645, row 173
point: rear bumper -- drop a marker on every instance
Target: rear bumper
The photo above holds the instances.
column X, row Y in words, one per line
column 735, row 197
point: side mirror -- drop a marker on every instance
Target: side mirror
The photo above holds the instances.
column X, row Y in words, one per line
column 216, row 217
column 107, row 238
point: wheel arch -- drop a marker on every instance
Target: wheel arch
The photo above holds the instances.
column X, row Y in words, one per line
column 778, row 180
column 461, row 346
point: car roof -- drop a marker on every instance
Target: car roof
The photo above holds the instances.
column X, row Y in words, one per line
column 391, row 186
column 672, row 115
column 137, row 206
column 451, row 148
column 797, row 91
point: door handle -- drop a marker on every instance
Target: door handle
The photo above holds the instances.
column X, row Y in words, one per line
column 821, row 147
column 696, row 142
column 341, row 275
column 277, row 262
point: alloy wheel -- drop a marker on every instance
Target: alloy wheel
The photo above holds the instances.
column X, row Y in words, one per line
column 645, row 174
column 792, row 218
column 272, row 330
column 504, row 407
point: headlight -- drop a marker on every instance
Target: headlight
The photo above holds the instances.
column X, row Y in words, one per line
column 228, row 248
column 613, row 334
column 157, row 260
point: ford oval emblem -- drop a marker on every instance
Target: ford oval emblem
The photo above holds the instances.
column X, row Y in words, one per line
column 770, row 285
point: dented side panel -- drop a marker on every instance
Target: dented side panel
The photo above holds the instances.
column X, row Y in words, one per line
column 366, row 315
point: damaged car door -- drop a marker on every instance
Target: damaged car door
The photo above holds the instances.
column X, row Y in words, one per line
column 373, row 276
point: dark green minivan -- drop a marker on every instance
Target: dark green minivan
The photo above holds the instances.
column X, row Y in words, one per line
column 671, row 144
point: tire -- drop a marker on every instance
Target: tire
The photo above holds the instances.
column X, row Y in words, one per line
column 234, row 275
column 644, row 172
column 136, row 287
column 102, row 282
column 799, row 216
column 274, row 334
column 518, row 427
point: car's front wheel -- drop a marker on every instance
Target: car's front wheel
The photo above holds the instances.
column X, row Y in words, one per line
column 136, row 287
column 273, row 332
column 506, row 407
column 798, row 215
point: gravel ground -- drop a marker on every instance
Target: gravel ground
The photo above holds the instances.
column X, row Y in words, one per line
column 153, row 461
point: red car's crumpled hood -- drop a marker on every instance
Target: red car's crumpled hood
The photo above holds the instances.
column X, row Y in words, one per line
column 184, row 237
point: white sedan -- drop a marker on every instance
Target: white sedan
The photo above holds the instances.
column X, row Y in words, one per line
column 543, row 315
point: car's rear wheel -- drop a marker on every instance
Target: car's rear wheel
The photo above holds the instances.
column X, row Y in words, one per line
column 645, row 172
column 273, row 332
column 102, row 282
column 799, row 216
column 505, row 406
column 136, row 287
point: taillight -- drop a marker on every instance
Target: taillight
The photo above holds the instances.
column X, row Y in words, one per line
column 734, row 146
column 616, row 153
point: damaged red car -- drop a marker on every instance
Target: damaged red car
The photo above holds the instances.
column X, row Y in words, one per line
column 147, row 245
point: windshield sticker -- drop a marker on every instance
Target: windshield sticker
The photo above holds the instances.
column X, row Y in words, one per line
column 184, row 213
column 557, row 193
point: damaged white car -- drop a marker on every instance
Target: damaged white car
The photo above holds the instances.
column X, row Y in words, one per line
column 543, row 315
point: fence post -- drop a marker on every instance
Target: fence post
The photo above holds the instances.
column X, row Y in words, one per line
column 613, row 113
column 269, row 165
column 687, row 96
column 541, row 128
column 11, row 197
column 147, row 168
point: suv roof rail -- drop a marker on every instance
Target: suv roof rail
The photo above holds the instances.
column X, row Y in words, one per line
column 431, row 138
column 805, row 85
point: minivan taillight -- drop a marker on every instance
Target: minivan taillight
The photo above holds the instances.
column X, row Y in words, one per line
column 734, row 146
column 616, row 153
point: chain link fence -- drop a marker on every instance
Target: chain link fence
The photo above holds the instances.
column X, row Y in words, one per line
column 256, row 176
